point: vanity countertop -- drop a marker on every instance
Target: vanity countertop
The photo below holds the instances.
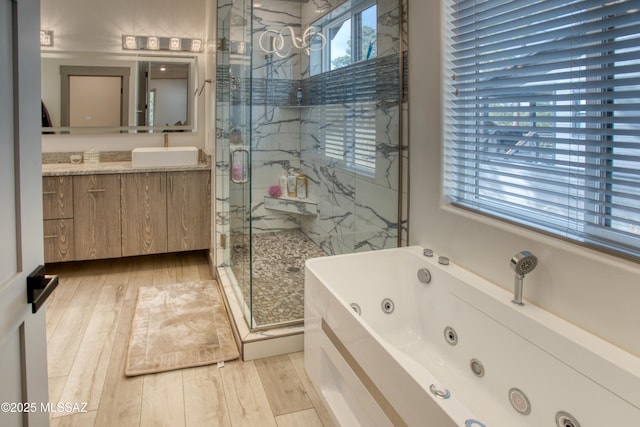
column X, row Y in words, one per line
column 58, row 169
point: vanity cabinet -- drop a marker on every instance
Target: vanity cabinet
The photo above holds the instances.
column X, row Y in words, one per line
column 144, row 213
column 57, row 203
column 96, row 207
column 165, row 212
column 189, row 210
column 125, row 214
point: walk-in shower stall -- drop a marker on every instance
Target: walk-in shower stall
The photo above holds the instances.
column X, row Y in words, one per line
column 309, row 93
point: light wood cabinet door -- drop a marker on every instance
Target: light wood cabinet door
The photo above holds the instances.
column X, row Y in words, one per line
column 57, row 197
column 96, row 205
column 144, row 213
column 58, row 240
column 189, row 210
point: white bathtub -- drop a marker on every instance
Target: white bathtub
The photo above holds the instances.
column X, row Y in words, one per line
column 376, row 369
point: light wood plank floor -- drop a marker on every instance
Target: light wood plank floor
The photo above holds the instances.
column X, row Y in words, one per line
column 88, row 324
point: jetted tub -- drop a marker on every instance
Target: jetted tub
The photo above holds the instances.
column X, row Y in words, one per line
column 452, row 352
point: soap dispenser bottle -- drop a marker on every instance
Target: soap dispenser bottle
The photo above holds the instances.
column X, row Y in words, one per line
column 291, row 183
column 301, row 186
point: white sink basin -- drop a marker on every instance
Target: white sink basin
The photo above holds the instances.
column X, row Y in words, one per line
column 164, row 156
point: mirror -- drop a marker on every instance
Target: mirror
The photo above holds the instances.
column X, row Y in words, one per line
column 118, row 93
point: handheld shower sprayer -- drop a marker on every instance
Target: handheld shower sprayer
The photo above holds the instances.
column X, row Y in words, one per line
column 522, row 263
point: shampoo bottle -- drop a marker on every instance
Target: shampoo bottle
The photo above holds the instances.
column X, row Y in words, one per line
column 291, row 183
column 301, row 186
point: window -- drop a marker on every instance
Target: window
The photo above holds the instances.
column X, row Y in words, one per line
column 349, row 135
column 351, row 36
column 543, row 120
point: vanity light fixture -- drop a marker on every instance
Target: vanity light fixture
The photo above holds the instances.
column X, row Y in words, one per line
column 196, row 45
column 129, row 42
column 153, row 43
column 176, row 44
column 46, row 38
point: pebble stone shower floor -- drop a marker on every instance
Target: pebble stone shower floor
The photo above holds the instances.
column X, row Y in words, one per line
column 278, row 274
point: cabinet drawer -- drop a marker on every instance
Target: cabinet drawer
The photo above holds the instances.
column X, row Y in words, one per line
column 58, row 240
column 57, row 197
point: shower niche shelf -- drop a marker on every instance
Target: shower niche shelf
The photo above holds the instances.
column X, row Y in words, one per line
column 291, row 205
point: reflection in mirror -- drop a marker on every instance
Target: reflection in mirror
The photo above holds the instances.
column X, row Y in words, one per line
column 163, row 94
column 89, row 93
column 94, row 96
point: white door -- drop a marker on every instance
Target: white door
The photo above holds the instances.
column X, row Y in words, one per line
column 23, row 362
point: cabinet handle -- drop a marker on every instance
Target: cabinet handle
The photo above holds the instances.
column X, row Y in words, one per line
column 55, row 236
column 161, row 184
column 49, row 193
column 171, row 184
column 101, row 190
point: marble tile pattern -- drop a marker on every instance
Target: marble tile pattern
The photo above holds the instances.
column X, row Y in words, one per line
column 356, row 211
column 292, row 205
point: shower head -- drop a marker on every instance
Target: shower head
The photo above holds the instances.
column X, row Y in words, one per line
column 523, row 262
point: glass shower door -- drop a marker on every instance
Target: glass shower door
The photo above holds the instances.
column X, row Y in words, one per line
column 283, row 106
column 233, row 136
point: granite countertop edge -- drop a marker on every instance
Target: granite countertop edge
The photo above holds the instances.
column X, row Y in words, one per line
column 103, row 168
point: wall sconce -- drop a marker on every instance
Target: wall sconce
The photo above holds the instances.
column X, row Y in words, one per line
column 46, row 38
column 161, row 43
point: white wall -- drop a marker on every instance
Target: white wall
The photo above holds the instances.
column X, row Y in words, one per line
column 171, row 104
column 98, row 26
column 595, row 291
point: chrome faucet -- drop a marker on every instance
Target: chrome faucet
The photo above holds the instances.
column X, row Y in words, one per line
column 522, row 263
column 166, row 140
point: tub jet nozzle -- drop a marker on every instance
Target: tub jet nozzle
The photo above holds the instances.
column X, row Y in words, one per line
column 522, row 263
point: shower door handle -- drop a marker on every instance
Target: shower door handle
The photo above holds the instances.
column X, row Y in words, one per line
column 239, row 160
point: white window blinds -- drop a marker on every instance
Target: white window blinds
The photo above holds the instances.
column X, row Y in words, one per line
column 543, row 117
column 349, row 134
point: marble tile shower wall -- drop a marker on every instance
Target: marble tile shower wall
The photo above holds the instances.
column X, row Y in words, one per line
column 356, row 212
column 275, row 141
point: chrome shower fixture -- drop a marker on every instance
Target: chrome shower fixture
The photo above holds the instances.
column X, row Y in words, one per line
column 522, row 263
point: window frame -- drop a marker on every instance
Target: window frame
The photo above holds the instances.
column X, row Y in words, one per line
column 353, row 14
